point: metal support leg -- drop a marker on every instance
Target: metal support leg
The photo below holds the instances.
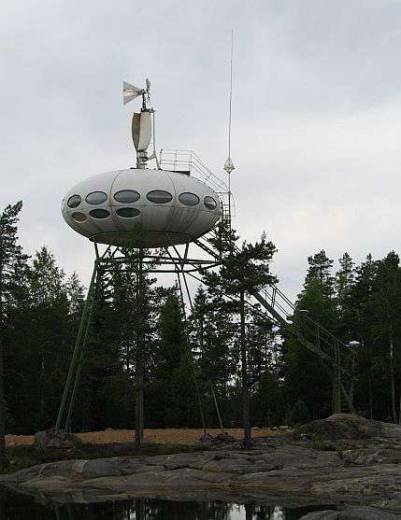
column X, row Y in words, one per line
column 216, row 405
column 87, row 311
column 91, row 305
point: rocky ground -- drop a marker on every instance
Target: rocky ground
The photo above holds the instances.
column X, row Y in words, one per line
column 343, row 461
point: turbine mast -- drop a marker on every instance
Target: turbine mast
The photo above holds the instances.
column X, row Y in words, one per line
column 142, row 123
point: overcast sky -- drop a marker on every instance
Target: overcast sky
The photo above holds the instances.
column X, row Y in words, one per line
column 316, row 113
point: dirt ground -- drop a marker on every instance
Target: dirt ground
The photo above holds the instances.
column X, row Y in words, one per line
column 162, row 436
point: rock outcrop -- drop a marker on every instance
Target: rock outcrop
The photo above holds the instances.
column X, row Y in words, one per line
column 349, row 427
column 368, row 473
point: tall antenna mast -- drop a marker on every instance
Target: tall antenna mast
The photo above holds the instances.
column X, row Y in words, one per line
column 229, row 165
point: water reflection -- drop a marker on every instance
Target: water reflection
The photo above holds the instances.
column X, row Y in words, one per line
column 18, row 507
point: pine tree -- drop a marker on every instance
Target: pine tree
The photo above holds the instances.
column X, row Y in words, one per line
column 243, row 270
column 134, row 303
column 347, row 316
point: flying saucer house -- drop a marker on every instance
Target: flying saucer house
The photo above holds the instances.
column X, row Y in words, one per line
column 141, row 207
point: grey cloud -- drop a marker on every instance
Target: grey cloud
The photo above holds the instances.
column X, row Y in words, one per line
column 316, row 112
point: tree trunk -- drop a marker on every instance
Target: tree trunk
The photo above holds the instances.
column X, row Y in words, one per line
column 247, row 442
column 140, row 508
column 391, row 345
column 3, row 457
column 336, row 399
column 249, row 511
column 370, row 394
column 399, row 411
column 140, row 347
column 139, row 407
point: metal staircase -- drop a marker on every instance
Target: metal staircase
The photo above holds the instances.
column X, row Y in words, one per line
column 309, row 333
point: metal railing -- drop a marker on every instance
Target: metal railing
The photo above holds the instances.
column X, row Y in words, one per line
column 189, row 161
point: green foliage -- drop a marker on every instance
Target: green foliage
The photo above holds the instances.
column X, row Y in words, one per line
column 306, row 377
column 173, row 400
column 225, row 345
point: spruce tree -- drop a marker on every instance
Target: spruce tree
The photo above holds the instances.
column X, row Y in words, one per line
column 175, row 378
column 212, row 332
column 12, row 270
column 306, row 378
column 50, row 342
column 387, row 323
column 369, row 388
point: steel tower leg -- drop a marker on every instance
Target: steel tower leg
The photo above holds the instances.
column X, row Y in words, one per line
column 74, row 370
column 91, row 305
column 216, row 405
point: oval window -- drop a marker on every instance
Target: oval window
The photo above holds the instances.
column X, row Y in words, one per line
column 210, row 203
column 96, row 197
column 159, row 196
column 127, row 196
column 189, row 199
column 99, row 213
column 74, row 201
column 128, row 212
column 78, row 216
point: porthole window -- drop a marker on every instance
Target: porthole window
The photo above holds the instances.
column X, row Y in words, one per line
column 127, row 196
column 128, row 212
column 189, row 199
column 96, row 197
column 159, row 196
column 78, row 216
column 99, row 213
column 210, row 203
column 74, row 201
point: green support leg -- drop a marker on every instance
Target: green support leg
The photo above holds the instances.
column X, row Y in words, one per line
column 216, row 405
column 91, row 304
column 77, row 348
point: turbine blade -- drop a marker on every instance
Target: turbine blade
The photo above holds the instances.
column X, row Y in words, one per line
column 130, row 92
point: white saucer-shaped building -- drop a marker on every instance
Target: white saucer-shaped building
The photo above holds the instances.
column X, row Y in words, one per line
column 142, row 208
